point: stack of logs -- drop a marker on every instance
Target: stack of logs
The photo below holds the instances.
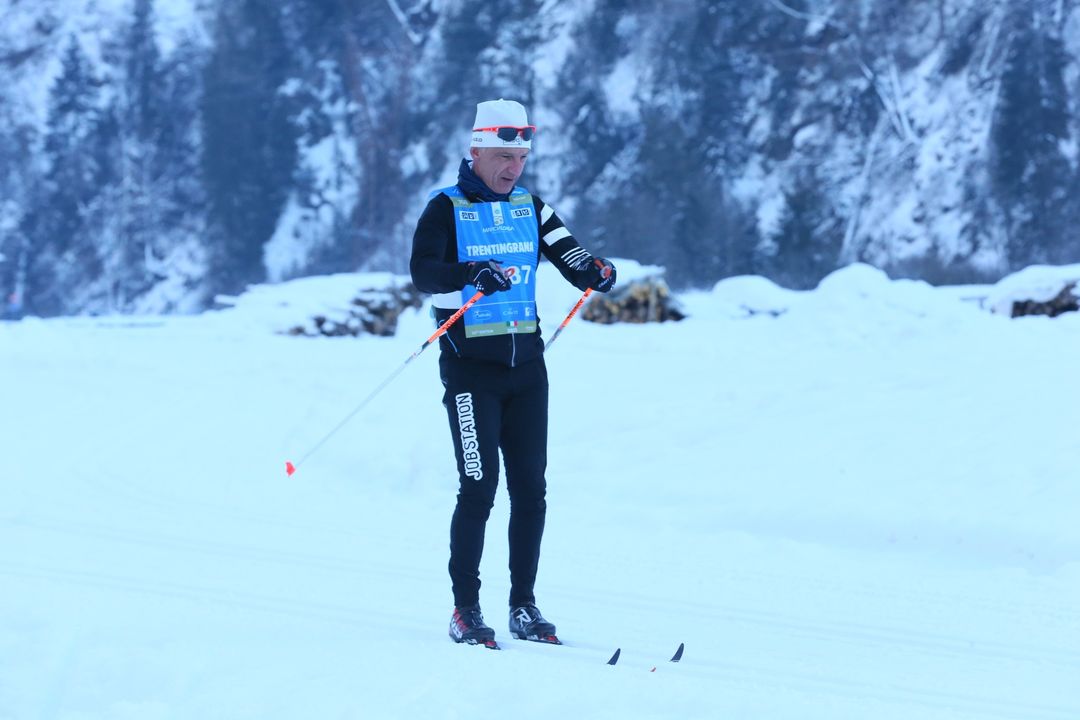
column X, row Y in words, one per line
column 370, row 312
column 640, row 301
column 1068, row 300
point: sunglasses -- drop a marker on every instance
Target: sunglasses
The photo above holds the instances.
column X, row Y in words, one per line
column 507, row 133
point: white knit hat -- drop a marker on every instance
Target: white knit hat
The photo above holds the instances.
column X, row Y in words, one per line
column 495, row 114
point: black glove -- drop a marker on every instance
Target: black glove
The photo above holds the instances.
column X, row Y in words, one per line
column 602, row 275
column 487, row 276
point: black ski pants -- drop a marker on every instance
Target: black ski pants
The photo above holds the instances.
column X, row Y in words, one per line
column 492, row 407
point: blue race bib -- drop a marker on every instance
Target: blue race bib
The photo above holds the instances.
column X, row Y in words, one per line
column 506, row 232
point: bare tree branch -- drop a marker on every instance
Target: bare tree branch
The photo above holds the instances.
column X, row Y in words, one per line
column 792, row 12
column 400, row 15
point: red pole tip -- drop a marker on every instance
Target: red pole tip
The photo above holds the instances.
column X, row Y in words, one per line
column 289, row 468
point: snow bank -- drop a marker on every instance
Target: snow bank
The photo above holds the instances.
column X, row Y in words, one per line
column 748, row 295
column 282, row 306
column 852, row 292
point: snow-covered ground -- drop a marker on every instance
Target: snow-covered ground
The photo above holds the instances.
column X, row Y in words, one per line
column 855, row 502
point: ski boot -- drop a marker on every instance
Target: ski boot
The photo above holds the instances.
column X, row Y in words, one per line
column 467, row 626
column 526, row 623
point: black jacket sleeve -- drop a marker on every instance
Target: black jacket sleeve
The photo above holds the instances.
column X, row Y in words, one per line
column 433, row 264
column 562, row 249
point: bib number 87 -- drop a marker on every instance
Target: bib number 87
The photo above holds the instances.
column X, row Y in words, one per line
column 518, row 273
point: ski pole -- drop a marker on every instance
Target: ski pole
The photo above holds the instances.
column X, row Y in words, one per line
column 290, row 468
column 573, row 312
column 577, row 306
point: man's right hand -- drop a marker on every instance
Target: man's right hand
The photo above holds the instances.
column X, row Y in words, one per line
column 487, row 277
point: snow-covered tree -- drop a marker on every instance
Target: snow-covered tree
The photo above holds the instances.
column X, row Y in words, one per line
column 1032, row 176
column 61, row 248
column 249, row 139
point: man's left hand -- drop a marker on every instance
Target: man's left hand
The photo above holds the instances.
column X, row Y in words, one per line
column 603, row 275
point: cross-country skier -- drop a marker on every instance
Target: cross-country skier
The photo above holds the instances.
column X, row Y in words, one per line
column 487, row 234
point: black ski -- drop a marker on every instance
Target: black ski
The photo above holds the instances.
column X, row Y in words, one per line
column 546, row 639
column 674, row 658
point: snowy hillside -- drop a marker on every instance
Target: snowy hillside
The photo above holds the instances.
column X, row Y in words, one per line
column 853, row 502
column 155, row 153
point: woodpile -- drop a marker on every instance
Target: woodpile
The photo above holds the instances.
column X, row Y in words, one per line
column 1068, row 300
column 640, row 301
column 372, row 311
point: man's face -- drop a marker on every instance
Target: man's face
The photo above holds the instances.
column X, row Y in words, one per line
column 499, row 168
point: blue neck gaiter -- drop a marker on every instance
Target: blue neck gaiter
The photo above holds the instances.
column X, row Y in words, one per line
column 474, row 188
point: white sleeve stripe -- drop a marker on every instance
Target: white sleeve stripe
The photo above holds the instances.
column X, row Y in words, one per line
column 577, row 258
column 573, row 254
column 556, row 234
column 546, row 214
column 447, row 301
